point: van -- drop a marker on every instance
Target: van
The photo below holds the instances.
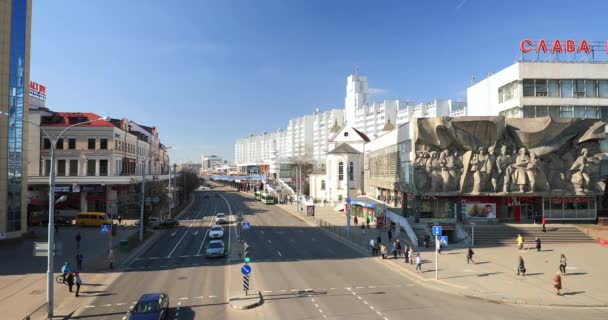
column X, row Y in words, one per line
column 92, row 219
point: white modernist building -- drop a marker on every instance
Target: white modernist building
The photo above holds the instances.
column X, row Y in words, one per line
column 211, row 162
column 299, row 137
column 537, row 89
column 435, row 108
column 325, row 125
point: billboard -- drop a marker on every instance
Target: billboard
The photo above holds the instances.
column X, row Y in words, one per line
column 480, row 210
column 37, row 90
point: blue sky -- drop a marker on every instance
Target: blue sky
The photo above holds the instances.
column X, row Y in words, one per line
column 207, row 72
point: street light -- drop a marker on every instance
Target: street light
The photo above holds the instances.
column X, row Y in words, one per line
column 51, row 226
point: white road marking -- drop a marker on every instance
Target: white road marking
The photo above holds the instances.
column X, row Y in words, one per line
column 212, row 296
column 179, row 303
column 312, row 299
column 182, row 238
column 359, row 298
column 316, row 305
column 378, row 312
column 269, row 241
column 184, row 256
column 89, row 306
column 320, row 310
column 371, row 307
column 106, row 305
column 262, row 231
column 282, row 290
column 120, row 304
column 279, row 252
column 331, row 251
column 359, row 287
column 365, row 302
column 293, row 290
column 267, row 291
column 206, row 232
column 324, row 316
column 332, row 288
column 196, row 232
column 184, row 298
column 124, row 318
column 371, row 287
column 200, row 297
column 153, row 258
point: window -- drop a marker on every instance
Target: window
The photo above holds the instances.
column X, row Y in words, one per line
column 528, row 87
column 47, row 167
column 579, row 111
column 47, row 143
column 579, row 88
column 341, row 171
column 103, row 144
column 566, row 111
column 541, row 88
column 603, row 88
column 590, row 88
column 541, row 111
column 71, row 143
column 103, row 167
column 91, row 143
column 322, row 184
column 346, row 134
column 566, row 88
column 553, row 88
column 351, row 171
column 91, row 168
column 61, row 168
column 73, row 168
column 59, row 144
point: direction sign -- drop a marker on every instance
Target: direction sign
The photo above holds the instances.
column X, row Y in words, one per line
column 245, row 225
column 443, row 240
column 246, row 269
column 2, row 235
column 348, row 200
column 437, row 230
column 105, row 228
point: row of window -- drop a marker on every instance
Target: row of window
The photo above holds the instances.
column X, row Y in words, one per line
column 91, row 144
column 564, row 88
column 588, row 112
column 351, row 171
column 70, row 168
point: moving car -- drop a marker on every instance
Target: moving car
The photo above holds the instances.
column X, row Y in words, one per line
column 216, row 232
column 92, row 219
column 220, row 218
column 150, row 306
column 168, row 223
column 59, row 221
column 215, row 248
column 151, row 221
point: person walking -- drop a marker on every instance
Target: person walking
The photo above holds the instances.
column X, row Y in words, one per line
column 427, row 240
column 356, row 221
column 367, row 221
column 538, row 245
column 119, row 220
column 406, row 253
column 78, row 283
column 521, row 267
column 78, row 238
column 557, row 282
column 372, row 247
column 379, row 239
column 520, row 242
column 544, row 224
column 411, row 255
column 394, row 250
column 399, row 248
column 438, row 246
column 70, row 280
column 390, row 235
column 362, row 228
column 418, row 263
column 383, row 251
column 79, row 261
column 470, row 254
column 562, row 264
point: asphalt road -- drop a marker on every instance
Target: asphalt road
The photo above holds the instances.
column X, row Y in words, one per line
column 302, row 272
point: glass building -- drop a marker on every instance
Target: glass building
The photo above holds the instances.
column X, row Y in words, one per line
column 14, row 80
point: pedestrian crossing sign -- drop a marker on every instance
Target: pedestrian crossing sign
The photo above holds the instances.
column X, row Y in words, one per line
column 105, row 228
column 443, row 240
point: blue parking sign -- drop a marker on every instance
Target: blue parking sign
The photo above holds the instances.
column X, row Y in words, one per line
column 437, row 230
column 105, row 228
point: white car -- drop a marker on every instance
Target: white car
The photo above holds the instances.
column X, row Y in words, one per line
column 220, row 218
column 216, row 232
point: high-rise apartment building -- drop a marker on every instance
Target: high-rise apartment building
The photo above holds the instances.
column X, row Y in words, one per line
column 15, row 28
column 325, row 125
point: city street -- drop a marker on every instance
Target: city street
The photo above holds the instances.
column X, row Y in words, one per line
column 301, row 271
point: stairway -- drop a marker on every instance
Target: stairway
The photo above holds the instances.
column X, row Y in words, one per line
column 506, row 234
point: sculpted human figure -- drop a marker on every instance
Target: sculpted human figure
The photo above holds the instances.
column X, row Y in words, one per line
column 491, row 169
column 520, row 177
column 457, row 172
column 447, row 170
column 503, row 169
column 420, row 175
column 536, row 176
column 479, row 167
column 434, row 168
column 580, row 171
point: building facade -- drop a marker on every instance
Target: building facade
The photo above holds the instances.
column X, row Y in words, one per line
column 15, row 31
column 299, row 137
column 323, row 123
column 211, row 162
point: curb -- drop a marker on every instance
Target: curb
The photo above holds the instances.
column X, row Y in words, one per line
column 251, row 305
column 427, row 283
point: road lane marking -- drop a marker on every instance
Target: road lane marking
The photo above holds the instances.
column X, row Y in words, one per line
column 121, row 304
column 267, row 291
column 106, row 305
column 262, row 231
column 183, row 298
column 359, row 298
column 279, row 252
column 359, row 287
column 182, row 238
column 184, row 256
column 365, row 302
column 200, row 297
column 212, row 296
column 89, row 306
column 269, row 241
column 372, row 307
column 378, row 312
column 174, row 233
column 371, row 287
column 206, row 232
column 320, row 310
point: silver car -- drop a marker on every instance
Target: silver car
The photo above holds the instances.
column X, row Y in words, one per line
column 215, row 248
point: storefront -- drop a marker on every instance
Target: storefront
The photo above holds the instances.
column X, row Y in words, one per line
column 432, row 208
column 569, row 208
column 364, row 208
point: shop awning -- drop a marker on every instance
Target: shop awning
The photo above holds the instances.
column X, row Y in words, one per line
column 366, row 202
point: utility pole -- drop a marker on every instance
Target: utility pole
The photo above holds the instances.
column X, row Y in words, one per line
column 143, row 202
column 348, row 199
column 170, row 193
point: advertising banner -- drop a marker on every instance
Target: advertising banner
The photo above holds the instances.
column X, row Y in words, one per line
column 480, row 210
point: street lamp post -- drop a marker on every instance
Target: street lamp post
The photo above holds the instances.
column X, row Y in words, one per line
column 51, row 226
column 142, row 199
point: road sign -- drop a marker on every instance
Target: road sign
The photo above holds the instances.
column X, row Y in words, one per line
column 348, row 200
column 105, row 228
column 2, row 235
column 245, row 225
column 246, row 283
column 437, row 230
column 443, row 240
column 246, row 269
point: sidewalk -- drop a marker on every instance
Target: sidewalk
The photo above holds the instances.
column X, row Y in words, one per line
column 494, row 276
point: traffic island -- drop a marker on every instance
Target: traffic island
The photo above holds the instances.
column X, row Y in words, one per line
column 241, row 301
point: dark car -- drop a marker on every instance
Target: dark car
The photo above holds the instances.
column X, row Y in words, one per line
column 207, row 196
column 150, row 306
column 169, row 223
column 59, row 221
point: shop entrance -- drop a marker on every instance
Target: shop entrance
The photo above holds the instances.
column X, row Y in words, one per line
column 527, row 212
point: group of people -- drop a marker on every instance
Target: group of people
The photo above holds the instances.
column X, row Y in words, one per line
column 71, row 278
column 557, row 279
column 378, row 247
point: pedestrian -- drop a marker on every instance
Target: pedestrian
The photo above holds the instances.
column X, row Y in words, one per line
column 394, row 250
column 411, row 255
column 70, row 280
column 557, row 282
column 537, row 244
column 356, row 221
column 562, row 264
column 470, row 254
column 78, row 238
column 383, row 251
column 545, row 225
column 520, row 242
column 367, row 222
column 438, row 246
column 390, row 235
column 79, row 261
column 379, row 239
column 418, row 263
column 378, row 244
column 399, row 247
column 427, row 240
column 363, row 228
column 521, row 267
column 372, row 246
column 406, row 253
column 119, row 220
column 78, row 282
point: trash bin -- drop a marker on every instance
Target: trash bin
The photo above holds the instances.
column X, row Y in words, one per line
column 124, row 244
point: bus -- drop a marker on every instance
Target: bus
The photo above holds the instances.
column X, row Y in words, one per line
column 258, row 195
column 267, row 198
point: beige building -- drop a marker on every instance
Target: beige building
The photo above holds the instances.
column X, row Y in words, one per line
column 15, row 28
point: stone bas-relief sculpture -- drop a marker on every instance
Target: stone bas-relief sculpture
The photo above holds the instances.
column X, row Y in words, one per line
column 540, row 155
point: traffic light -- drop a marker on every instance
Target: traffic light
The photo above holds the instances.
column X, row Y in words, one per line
column 247, row 252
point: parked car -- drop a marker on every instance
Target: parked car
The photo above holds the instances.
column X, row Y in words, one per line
column 216, row 232
column 220, row 218
column 59, row 221
column 151, row 221
column 168, row 223
column 92, row 219
column 151, row 306
column 215, row 248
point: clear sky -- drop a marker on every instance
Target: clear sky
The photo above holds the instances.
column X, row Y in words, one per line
column 208, row 72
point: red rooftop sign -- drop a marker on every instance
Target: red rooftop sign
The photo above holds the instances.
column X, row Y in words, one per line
column 556, row 46
column 37, row 90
